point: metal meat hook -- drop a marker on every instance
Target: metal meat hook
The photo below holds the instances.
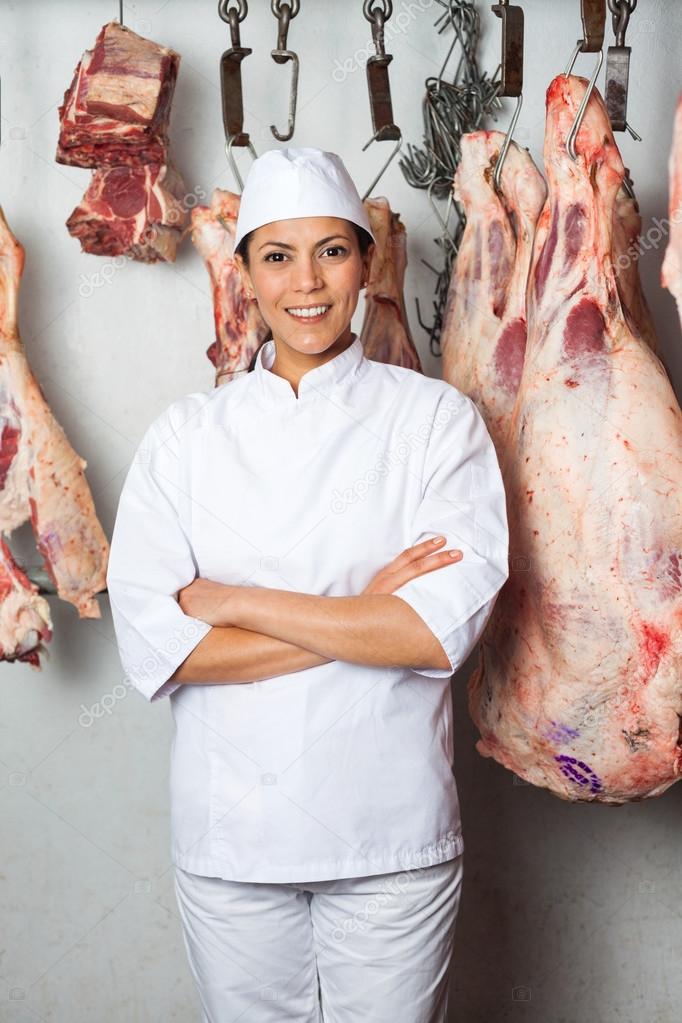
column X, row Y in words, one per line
column 505, row 145
column 284, row 12
column 618, row 68
column 374, row 138
column 229, row 143
column 570, row 141
column 593, row 13
column 231, row 85
column 512, row 71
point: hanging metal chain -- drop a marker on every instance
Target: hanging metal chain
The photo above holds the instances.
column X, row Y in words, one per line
column 621, row 11
column 293, row 7
column 370, row 8
column 233, row 16
column 226, row 13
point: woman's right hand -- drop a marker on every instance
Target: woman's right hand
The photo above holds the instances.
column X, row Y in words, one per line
column 415, row 561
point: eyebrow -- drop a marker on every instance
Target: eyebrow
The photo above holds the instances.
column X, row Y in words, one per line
column 283, row 245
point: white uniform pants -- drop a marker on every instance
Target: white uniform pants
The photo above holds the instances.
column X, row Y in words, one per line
column 356, row 950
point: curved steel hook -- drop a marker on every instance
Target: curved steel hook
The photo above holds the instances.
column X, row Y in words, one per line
column 505, row 145
column 385, row 166
column 233, row 163
column 281, row 56
column 570, row 141
column 285, row 13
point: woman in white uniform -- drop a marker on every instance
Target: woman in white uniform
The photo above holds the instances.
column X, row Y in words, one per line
column 273, row 572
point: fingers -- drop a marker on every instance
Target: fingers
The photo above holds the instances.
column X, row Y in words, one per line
column 423, row 550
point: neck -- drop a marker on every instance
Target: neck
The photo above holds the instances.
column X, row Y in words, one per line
column 291, row 364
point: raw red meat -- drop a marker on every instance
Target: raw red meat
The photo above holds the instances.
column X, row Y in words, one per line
column 627, row 228
column 25, row 621
column 134, row 211
column 115, row 118
column 484, row 329
column 41, row 476
column 579, row 687
column 117, row 108
column 385, row 331
column 239, row 326
column 671, row 271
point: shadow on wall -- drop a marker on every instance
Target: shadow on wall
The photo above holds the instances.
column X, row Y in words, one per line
column 569, row 911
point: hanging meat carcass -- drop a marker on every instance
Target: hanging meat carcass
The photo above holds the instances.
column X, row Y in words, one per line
column 239, row 326
column 385, row 332
column 579, row 686
column 115, row 118
column 484, row 328
column 671, row 271
column 41, row 478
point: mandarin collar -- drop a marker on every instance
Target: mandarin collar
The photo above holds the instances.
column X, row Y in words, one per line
column 333, row 378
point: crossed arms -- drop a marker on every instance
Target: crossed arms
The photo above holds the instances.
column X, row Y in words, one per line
column 260, row 632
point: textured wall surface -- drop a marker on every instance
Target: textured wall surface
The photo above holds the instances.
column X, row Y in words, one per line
column 569, row 913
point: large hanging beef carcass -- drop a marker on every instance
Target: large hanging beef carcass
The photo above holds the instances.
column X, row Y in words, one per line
column 239, row 327
column 41, row 479
column 579, row 686
column 484, row 328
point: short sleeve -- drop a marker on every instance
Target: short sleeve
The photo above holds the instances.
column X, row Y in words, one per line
column 150, row 560
column 463, row 499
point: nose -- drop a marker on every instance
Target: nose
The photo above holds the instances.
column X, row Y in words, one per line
column 306, row 275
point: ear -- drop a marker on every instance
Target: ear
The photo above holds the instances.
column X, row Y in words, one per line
column 245, row 275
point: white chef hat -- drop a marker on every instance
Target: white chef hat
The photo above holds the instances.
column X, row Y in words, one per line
column 286, row 183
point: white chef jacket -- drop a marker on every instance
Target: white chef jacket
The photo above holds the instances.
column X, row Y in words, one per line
column 339, row 770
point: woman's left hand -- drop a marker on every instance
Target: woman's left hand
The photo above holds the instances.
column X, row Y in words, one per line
column 209, row 601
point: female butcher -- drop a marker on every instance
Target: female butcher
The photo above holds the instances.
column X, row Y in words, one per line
column 301, row 559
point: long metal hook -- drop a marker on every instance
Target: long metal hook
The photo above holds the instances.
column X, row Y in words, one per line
column 281, row 56
column 570, row 141
column 120, row 12
column 233, row 163
column 285, row 12
column 385, row 166
column 505, row 145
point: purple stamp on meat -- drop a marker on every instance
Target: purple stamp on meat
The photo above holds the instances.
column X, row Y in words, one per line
column 578, row 771
column 559, row 734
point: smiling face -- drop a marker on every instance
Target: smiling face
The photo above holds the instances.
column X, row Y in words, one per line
column 306, row 274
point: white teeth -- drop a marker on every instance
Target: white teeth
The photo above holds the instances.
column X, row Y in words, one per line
column 306, row 313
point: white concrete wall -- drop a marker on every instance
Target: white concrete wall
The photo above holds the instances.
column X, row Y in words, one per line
column 570, row 913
